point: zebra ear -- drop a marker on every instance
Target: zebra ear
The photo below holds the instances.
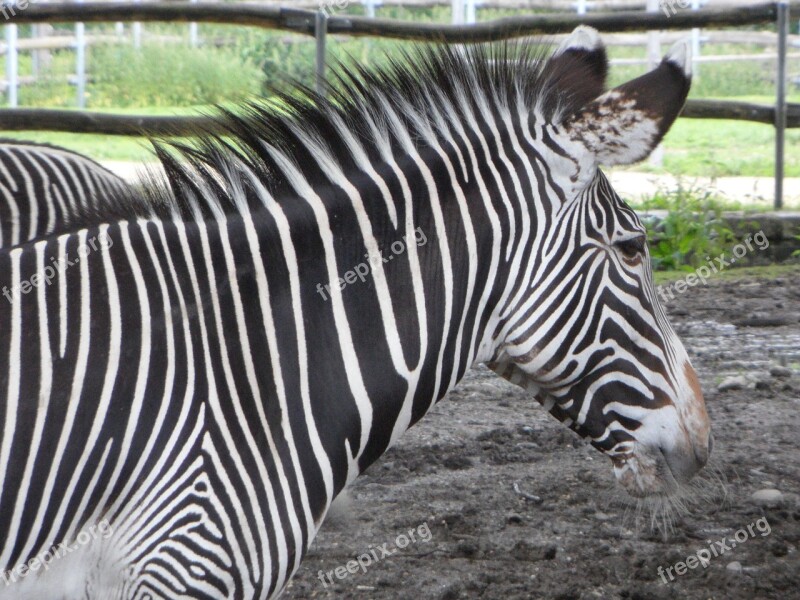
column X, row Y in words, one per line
column 577, row 69
column 626, row 123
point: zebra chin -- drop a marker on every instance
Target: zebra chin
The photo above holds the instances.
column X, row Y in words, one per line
column 654, row 471
column 647, row 472
column 662, row 468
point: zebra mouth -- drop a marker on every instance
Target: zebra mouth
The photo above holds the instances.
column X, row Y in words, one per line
column 645, row 472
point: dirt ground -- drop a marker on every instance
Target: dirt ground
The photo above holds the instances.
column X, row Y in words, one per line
column 514, row 505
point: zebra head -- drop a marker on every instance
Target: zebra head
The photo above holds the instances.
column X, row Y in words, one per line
column 590, row 338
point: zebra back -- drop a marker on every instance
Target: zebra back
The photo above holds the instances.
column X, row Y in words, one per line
column 45, row 189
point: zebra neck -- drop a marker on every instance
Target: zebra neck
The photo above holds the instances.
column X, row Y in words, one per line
column 395, row 277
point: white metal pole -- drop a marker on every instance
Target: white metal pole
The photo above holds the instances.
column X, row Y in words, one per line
column 695, row 43
column 12, row 65
column 370, row 8
column 653, row 59
column 458, row 12
column 137, row 33
column 581, row 7
column 36, row 55
column 193, row 31
column 780, row 100
column 80, row 60
column 321, row 34
column 471, row 16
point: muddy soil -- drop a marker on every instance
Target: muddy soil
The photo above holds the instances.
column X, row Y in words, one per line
column 515, row 506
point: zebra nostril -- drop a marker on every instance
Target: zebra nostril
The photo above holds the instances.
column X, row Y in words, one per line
column 702, row 453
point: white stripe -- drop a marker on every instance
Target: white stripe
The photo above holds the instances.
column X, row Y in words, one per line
column 13, row 391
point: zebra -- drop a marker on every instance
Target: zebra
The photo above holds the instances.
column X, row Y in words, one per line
column 180, row 404
column 44, row 188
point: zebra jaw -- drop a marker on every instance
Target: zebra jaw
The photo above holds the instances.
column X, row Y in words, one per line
column 651, row 465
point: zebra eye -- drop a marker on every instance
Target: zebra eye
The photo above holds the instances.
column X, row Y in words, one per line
column 633, row 247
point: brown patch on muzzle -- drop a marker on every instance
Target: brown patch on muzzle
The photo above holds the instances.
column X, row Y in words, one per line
column 696, row 415
column 694, row 383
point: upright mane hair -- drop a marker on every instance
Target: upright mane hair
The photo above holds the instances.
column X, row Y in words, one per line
column 365, row 113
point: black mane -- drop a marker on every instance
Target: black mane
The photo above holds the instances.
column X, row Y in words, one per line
column 202, row 174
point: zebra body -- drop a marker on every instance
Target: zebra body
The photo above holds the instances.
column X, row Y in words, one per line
column 45, row 188
column 183, row 385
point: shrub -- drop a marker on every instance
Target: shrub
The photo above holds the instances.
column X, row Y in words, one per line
column 692, row 231
column 168, row 76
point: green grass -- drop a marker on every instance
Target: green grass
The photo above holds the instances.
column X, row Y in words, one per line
column 98, row 147
column 718, row 148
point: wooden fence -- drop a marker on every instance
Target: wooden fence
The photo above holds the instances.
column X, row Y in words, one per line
column 319, row 24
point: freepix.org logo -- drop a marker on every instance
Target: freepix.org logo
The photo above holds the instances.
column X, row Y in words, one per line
column 10, row 9
column 374, row 259
column 44, row 559
column 670, row 7
column 329, row 6
column 715, row 548
column 56, row 266
column 420, row 534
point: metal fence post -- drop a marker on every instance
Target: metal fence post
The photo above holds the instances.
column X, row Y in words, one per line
column 695, row 43
column 321, row 33
column 12, row 65
column 458, row 12
column 35, row 54
column 780, row 100
column 471, row 12
column 137, row 33
column 193, row 31
column 653, row 60
column 80, row 62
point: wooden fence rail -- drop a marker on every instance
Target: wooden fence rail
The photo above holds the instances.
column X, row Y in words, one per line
column 32, row 119
column 303, row 21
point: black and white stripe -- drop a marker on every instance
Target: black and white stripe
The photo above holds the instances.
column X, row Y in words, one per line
column 181, row 378
column 45, row 188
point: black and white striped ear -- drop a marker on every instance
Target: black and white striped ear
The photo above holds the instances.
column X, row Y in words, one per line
column 577, row 69
column 626, row 123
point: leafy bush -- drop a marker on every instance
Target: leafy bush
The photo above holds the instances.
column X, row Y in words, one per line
column 692, row 231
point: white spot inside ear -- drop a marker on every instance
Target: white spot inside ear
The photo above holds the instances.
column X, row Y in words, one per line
column 615, row 131
column 581, row 38
column 681, row 55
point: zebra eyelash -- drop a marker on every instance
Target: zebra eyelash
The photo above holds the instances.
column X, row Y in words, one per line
column 633, row 247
